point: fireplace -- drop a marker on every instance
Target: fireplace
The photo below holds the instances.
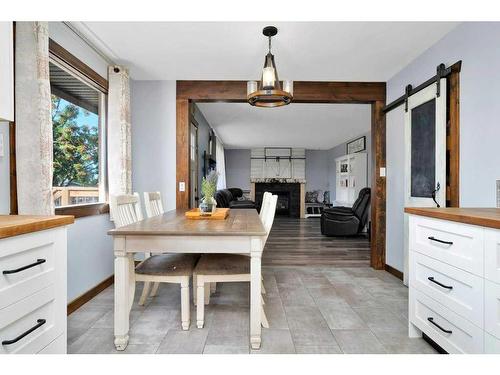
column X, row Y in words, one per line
column 288, row 197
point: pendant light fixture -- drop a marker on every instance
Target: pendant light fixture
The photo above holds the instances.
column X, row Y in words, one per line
column 269, row 91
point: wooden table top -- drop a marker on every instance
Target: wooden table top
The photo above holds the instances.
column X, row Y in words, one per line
column 14, row 225
column 240, row 222
column 484, row 217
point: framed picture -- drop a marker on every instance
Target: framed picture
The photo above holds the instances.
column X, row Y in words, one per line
column 356, row 145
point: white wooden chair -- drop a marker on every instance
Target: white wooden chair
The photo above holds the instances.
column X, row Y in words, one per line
column 153, row 204
column 213, row 286
column 154, row 207
column 216, row 268
column 163, row 268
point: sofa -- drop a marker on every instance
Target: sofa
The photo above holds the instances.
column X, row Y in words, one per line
column 346, row 221
column 232, row 198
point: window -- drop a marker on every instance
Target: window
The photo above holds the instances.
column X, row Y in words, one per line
column 78, row 124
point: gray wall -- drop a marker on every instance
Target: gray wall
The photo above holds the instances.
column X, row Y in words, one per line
column 90, row 249
column 317, row 170
column 4, row 171
column 237, row 168
column 153, row 138
column 476, row 43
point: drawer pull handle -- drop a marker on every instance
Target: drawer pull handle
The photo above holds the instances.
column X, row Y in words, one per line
column 430, row 319
column 440, row 241
column 38, row 261
column 39, row 323
column 431, row 278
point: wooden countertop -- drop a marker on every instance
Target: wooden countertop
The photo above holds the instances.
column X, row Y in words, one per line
column 14, row 225
column 240, row 222
column 484, row 217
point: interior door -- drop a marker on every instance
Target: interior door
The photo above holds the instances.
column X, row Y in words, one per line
column 193, row 166
column 425, row 152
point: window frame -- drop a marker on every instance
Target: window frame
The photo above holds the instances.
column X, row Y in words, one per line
column 67, row 61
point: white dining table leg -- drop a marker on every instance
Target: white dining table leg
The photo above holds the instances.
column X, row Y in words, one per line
column 255, row 293
column 124, row 292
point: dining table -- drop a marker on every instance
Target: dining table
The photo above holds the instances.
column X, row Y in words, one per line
column 242, row 232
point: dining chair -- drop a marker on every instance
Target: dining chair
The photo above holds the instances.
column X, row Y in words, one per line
column 163, row 268
column 218, row 268
column 153, row 203
column 154, row 207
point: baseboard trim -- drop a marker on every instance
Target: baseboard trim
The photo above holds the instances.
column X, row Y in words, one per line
column 88, row 295
column 394, row 272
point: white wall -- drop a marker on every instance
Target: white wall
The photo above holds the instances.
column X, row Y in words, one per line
column 476, row 43
column 90, row 249
column 153, row 138
column 4, row 171
column 317, row 168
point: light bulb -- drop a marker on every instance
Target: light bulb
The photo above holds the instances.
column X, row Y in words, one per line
column 268, row 78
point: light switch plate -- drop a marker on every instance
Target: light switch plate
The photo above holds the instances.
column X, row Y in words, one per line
column 382, row 172
column 1, row 146
column 182, row 186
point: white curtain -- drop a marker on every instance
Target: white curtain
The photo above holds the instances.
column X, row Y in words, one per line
column 119, row 132
column 33, row 119
column 221, row 165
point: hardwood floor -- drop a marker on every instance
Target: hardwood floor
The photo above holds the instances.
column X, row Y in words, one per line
column 299, row 242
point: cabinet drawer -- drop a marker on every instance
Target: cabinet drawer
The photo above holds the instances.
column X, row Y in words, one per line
column 460, row 245
column 30, row 263
column 492, row 308
column 492, row 254
column 58, row 346
column 460, row 291
column 427, row 315
column 491, row 344
column 39, row 310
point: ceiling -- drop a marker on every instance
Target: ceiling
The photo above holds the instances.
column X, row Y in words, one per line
column 305, row 51
column 311, row 126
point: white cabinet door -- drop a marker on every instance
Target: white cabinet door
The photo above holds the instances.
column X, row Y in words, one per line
column 6, row 72
column 492, row 255
column 492, row 308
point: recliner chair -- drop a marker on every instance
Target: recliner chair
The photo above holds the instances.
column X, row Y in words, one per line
column 228, row 198
column 346, row 221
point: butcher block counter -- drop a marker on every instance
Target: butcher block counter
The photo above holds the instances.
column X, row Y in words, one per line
column 33, row 283
column 484, row 217
column 14, row 225
column 454, row 277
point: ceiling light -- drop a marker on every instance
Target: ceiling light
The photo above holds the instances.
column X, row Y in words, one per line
column 269, row 91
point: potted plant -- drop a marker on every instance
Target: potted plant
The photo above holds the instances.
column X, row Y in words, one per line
column 208, row 189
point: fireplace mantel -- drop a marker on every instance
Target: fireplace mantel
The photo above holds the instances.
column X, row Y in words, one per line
column 268, row 180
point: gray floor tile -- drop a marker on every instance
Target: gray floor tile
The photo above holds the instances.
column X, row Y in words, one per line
column 308, row 326
column 398, row 342
column 93, row 341
column 275, row 313
column 314, row 349
column 381, row 319
column 183, row 342
column 295, row 295
column 225, row 349
column 358, row 341
column 341, row 316
column 276, row 341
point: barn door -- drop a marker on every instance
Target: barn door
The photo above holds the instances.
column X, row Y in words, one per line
column 425, row 152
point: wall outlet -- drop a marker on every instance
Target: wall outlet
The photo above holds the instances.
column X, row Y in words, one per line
column 182, row 186
column 498, row 193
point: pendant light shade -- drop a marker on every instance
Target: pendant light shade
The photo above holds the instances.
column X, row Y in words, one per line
column 269, row 91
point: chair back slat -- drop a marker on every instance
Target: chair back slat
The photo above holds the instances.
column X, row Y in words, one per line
column 153, row 203
column 125, row 209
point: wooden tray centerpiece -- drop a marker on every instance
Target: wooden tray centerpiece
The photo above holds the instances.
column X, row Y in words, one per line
column 219, row 214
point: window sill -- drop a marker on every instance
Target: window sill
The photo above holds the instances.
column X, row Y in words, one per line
column 83, row 210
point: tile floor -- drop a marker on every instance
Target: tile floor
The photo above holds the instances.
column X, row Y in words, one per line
column 310, row 310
